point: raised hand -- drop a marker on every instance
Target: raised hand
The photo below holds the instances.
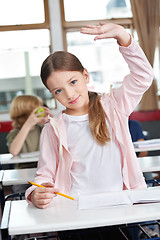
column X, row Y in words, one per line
column 108, row 30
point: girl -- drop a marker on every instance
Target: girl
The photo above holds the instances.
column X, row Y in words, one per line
column 87, row 147
column 27, row 125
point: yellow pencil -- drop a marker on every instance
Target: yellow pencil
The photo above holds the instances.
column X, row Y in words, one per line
column 61, row 194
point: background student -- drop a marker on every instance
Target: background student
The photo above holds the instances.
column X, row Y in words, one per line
column 137, row 135
column 27, row 125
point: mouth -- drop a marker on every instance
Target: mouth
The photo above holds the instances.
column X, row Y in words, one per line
column 74, row 101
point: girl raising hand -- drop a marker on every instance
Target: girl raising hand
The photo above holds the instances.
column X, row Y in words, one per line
column 87, row 147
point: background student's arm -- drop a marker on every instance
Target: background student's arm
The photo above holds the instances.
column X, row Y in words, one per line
column 142, row 154
column 17, row 143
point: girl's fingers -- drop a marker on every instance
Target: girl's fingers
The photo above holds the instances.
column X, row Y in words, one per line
column 101, row 36
column 46, row 196
column 90, row 26
column 44, row 200
column 45, row 190
column 43, row 206
column 48, row 184
column 92, row 29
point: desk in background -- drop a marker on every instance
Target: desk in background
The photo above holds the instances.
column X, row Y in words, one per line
column 18, row 176
column 148, row 149
column 14, row 177
column 149, row 163
column 8, row 158
column 147, row 145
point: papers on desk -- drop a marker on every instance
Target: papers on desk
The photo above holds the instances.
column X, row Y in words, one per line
column 29, row 154
column 126, row 197
column 147, row 143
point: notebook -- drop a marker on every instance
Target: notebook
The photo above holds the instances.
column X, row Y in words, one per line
column 125, row 197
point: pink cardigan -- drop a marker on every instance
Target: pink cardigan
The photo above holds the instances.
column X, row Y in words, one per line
column 55, row 168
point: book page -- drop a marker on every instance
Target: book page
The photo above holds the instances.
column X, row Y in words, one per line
column 99, row 200
column 124, row 197
column 151, row 194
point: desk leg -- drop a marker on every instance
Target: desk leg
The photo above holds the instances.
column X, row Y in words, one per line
column 5, row 221
column 2, row 197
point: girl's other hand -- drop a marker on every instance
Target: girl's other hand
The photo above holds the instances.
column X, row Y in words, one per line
column 41, row 197
column 108, row 30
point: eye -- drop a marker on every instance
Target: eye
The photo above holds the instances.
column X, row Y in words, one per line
column 73, row 82
column 58, row 91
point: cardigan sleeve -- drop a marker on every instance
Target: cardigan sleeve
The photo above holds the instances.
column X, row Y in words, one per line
column 48, row 161
column 137, row 82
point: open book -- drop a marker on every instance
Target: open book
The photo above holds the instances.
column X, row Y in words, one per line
column 147, row 143
column 125, row 197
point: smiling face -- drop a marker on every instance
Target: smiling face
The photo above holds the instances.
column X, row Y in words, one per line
column 70, row 89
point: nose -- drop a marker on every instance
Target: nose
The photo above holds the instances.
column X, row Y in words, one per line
column 69, row 93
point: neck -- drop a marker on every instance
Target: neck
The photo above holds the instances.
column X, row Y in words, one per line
column 77, row 112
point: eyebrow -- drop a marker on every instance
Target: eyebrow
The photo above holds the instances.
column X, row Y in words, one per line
column 60, row 87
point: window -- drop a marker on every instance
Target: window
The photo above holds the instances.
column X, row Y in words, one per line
column 102, row 59
column 95, row 10
column 25, row 43
column 18, row 12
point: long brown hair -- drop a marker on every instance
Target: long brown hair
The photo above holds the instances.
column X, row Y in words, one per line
column 65, row 61
column 21, row 107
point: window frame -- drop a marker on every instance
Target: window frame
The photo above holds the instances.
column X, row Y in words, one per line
column 35, row 26
column 44, row 25
column 73, row 26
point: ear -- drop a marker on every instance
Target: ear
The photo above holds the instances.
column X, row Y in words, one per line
column 86, row 75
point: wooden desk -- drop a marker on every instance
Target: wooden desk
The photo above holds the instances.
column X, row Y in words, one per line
column 150, row 163
column 8, row 158
column 64, row 215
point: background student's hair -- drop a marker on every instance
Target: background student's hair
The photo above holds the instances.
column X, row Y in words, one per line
column 65, row 61
column 21, row 108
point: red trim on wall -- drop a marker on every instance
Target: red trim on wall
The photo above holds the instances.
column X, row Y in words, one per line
column 142, row 116
column 5, row 126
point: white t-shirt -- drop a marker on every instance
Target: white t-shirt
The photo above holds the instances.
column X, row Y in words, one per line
column 95, row 168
